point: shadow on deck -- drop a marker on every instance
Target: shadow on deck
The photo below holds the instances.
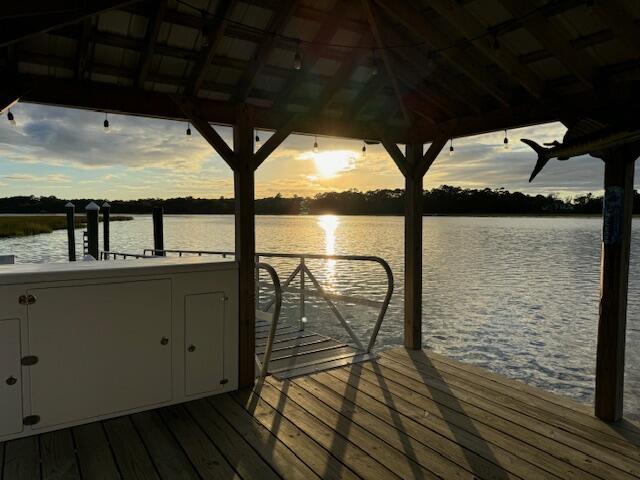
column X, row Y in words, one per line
column 403, row 415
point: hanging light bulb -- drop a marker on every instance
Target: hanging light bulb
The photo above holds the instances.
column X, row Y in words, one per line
column 315, row 146
column 257, row 141
column 297, row 58
column 451, row 148
column 188, row 132
column 374, row 64
column 106, row 123
column 506, row 140
column 364, row 150
column 12, row 120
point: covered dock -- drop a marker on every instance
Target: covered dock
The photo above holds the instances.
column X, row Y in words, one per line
column 414, row 76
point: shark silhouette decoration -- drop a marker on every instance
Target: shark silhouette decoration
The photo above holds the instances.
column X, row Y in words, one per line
column 587, row 136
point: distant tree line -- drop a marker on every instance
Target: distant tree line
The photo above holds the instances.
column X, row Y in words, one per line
column 444, row 200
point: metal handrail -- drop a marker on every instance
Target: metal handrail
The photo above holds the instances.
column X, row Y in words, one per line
column 106, row 255
column 303, row 270
column 264, row 365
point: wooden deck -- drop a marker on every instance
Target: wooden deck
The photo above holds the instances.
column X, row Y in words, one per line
column 404, row 415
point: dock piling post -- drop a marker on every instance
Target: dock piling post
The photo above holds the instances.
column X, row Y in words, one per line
column 92, row 229
column 158, row 231
column 106, row 214
column 614, row 281
column 71, row 230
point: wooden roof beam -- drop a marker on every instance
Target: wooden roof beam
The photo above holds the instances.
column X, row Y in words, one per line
column 550, row 33
column 21, row 20
column 214, row 139
column 311, row 54
column 386, row 58
column 615, row 14
column 156, row 16
column 369, row 91
column 82, row 48
column 274, row 141
column 421, row 28
column 264, row 49
column 213, row 37
column 465, row 23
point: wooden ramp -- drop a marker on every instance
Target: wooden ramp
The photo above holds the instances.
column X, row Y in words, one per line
column 405, row 415
column 299, row 352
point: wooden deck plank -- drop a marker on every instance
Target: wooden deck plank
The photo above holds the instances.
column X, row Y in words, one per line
column 58, row 456
column 200, row 450
column 232, row 445
column 94, row 453
column 130, row 453
column 428, row 453
column 22, row 459
column 261, row 342
column 302, row 350
column 304, row 443
column 166, row 454
column 554, row 405
column 540, row 416
column 299, row 404
column 272, row 450
column 297, row 342
column 492, row 423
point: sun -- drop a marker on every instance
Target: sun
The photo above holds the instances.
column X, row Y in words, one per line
column 332, row 162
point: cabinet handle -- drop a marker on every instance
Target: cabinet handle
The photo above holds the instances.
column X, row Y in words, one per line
column 192, row 348
column 164, row 341
column 11, row 380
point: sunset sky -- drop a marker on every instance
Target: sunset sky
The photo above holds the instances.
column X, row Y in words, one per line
column 63, row 152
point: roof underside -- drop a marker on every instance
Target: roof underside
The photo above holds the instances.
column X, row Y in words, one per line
column 454, row 66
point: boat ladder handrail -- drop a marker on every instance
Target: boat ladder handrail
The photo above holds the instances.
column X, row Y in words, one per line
column 274, row 318
column 303, row 272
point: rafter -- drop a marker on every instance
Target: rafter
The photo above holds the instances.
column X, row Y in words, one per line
column 369, row 91
column 82, row 48
column 22, row 20
column 551, row 34
column 458, row 58
column 213, row 36
column 277, row 24
column 460, row 19
column 312, row 52
column 386, row 58
column 156, row 17
column 616, row 15
column 196, row 118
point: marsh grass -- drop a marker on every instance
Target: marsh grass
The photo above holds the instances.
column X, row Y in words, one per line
column 24, row 225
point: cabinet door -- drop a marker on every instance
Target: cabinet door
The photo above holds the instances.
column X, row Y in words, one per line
column 10, row 378
column 204, row 342
column 101, row 349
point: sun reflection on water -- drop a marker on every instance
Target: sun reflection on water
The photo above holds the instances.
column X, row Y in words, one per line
column 329, row 224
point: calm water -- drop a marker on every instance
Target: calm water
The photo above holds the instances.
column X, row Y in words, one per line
column 516, row 295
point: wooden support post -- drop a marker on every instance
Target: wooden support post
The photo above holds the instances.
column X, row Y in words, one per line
column 158, row 231
column 244, row 188
column 106, row 216
column 616, row 240
column 71, row 230
column 92, row 229
column 413, row 250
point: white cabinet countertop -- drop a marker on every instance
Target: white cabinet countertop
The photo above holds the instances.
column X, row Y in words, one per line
column 50, row 272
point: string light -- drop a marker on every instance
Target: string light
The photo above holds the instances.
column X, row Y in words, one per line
column 105, row 124
column 506, row 140
column 257, row 142
column 374, row 64
column 297, row 58
column 315, row 146
column 451, row 148
column 364, row 150
column 12, row 120
column 188, row 132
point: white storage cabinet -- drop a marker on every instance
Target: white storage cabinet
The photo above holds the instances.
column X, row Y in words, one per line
column 81, row 342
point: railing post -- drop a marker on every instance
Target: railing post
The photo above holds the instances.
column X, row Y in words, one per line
column 303, row 315
column 614, row 278
column 257, row 281
column 106, row 214
column 158, row 231
column 71, row 230
column 92, row 230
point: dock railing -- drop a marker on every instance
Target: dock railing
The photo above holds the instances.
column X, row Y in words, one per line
column 303, row 272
